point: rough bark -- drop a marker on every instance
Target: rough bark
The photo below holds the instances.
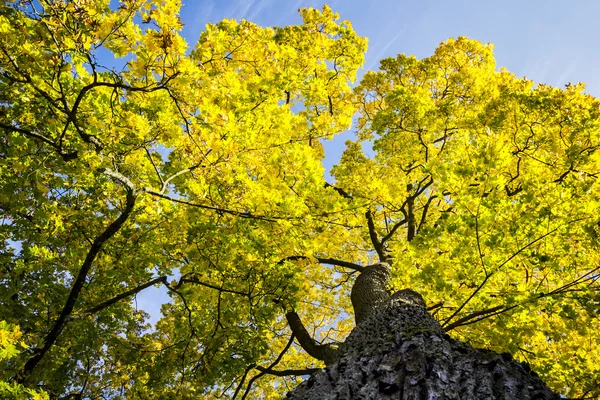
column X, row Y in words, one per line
column 400, row 352
column 369, row 291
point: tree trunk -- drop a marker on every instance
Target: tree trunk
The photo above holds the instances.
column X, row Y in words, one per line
column 401, row 352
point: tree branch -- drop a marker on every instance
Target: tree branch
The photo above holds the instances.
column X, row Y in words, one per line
column 393, row 230
column 66, row 156
column 108, row 303
column 487, row 276
column 193, row 279
column 324, row 352
column 373, row 235
column 424, row 214
column 289, row 372
column 211, row 208
column 175, row 175
column 410, row 230
column 469, row 317
column 490, row 312
column 330, row 261
column 274, row 363
column 97, row 244
column 340, row 191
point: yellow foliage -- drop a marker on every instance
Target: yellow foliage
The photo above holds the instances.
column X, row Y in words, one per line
column 202, row 167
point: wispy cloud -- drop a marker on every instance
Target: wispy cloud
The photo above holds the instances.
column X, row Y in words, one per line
column 205, row 11
column 563, row 79
column 241, row 8
column 285, row 17
column 257, row 9
column 383, row 51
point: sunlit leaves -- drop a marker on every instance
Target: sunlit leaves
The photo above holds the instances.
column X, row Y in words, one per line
column 498, row 179
column 132, row 161
column 207, row 162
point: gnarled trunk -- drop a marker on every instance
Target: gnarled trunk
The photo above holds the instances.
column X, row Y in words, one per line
column 401, row 352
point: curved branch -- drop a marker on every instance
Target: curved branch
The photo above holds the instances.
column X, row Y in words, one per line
column 324, row 352
column 239, row 387
column 136, row 290
column 377, row 245
column 274, row 363
column 97, row 244
column 66, row 156
column 393, row 230
column 179, row 173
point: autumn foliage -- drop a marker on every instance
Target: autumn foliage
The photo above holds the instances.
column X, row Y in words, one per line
column 130, row 160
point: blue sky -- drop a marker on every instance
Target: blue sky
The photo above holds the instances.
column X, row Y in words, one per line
column 552, row 41
column 549, row 41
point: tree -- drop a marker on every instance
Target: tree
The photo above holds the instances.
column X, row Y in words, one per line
column 399, row 351
column 200, row 171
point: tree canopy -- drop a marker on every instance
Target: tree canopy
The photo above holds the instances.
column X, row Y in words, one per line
column 129, row 160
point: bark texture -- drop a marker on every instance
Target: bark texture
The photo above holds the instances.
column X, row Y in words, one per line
column 369, row 291
column 400, row 352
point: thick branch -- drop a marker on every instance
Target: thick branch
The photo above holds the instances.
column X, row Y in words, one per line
column 289, row 372
column 323, row 352
column 330, row 261
column 340, row 191
column 42, row 138
column 340, row 263
column 411, row 228
column 374, row 239
column 424, row 214
column 97, row 244
column 410, row 201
